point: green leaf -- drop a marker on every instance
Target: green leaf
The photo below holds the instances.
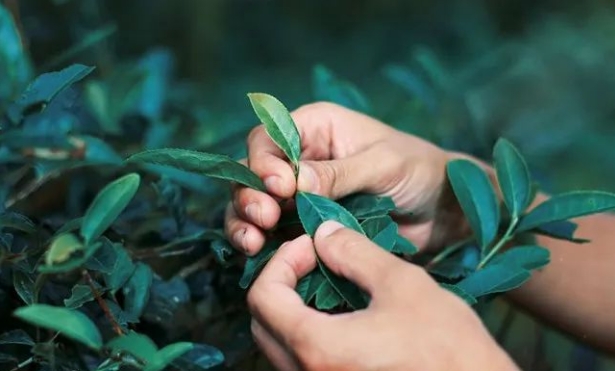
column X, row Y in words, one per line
column 477, row 199
column 364, row 206
column 513, row 177
column 18, row 337
column 567, row 206
column 17, row 222
column 80, row 294
column 279, row 125
column 493, row 279
column 471, row 300
column 24, row 285
column 122, row 269
column 69, row 226
column 404, row 246
column 166, row 355
column 327, row 297
column 104, row 259
column 328, row 87
column 222, row 251
column 108, row 205
column 73, row 263
column 212, row 165
column 46, row 87
column 255, row 264
column 314, row 210
column 62, row 248
column 527, row 257
column 382, row 231
column 138, row 345
column 200, row 357
column 70, row 323
column 562, row 230
column 137, row 290
column 346, row 289
column 309, row 285
column 15, row 66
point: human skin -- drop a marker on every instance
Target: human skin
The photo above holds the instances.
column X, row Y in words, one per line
column 346, row 152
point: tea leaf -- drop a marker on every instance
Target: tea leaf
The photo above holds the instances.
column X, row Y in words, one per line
column 567, row 206
column 477, row 199
column 200, row 357
column 212, row 165
column 327, row 87
column 314, row 210
column 137, row 290
column 278, row 124
column 166, row 355
column 309, row 285
column 61, row 248
column 104, row 259
column 17, row 222
column 19, row 337
column 493, row 279
column 136, row 344
column 382, row 231
column 346, row 289
column 108, row 205
column 254, row 264
column 74, row 261
column 80, row 294
column 122, row 269
column 365, row 206
column 471, row 300
column 513, row 177
column 527, row 257
column 563, row 230
column 327, row 297
column 222, row 251
column 24, row 285
column 404, row 246
column 70, row 323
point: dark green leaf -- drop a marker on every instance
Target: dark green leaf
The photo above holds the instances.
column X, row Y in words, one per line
column 166, row 355
column 136, row 291
column 382, row 231
column 80, row 294
column 69, row 226
column 7, row 358
column 493, row 279
column 122, row 269
column 70, row 323
column 24, row 285
column 17, row 222
column 75, row 261
column 314, row 210
column 138, row 345
column 513, row 177
column 459, row 264
column 471, row 300
column 45, row 87
column 255, row 264
column 200, row 357
column 327, row 297
column 562, row 230
column 527, row 257
column 15, row 66
column 346, row 289
column 327, row 87
column 567, row 206
column 279, row 125
column 364, row 206
column 309, row 285
column 19, row 337
column 104, row 259
column 108, row 205
column 213, row 165
column 404, row 246
column 222, row 251
column 477, row 199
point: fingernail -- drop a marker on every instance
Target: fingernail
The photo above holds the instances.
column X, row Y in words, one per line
column 253, row 211
column 307, row 178
column 238, row 237
column 327, row 228
column 273, row 183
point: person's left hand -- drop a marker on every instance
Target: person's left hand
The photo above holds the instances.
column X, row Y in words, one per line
column 411, row 323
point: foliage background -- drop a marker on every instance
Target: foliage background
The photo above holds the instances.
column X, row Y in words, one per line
column 460, row 73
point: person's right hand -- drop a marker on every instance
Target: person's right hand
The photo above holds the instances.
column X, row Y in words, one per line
column 346, row 152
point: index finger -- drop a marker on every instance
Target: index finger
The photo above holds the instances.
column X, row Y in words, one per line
column 273, row 300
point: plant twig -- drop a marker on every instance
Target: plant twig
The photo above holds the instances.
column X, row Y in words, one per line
column 507, row 237
column 446, row 253
column 103, row 305
column 199, row 264
column 23, row 364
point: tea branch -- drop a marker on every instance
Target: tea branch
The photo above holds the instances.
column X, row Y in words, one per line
column 103, row 305
column 508, row 235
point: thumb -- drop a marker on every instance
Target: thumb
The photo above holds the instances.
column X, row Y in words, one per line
column 353, row 256
column 341, row 177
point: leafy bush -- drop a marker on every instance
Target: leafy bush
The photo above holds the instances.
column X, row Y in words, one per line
column 111, row 249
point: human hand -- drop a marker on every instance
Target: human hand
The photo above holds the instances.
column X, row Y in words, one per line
column 411, row 323
column 345, row 152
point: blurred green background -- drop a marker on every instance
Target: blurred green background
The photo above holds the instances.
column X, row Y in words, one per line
column 459, row 73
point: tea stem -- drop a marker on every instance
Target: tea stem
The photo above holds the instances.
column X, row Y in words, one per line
column 101, row 302
column 507, row 237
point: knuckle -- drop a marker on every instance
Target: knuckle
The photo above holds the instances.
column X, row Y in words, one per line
column 317, row 107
